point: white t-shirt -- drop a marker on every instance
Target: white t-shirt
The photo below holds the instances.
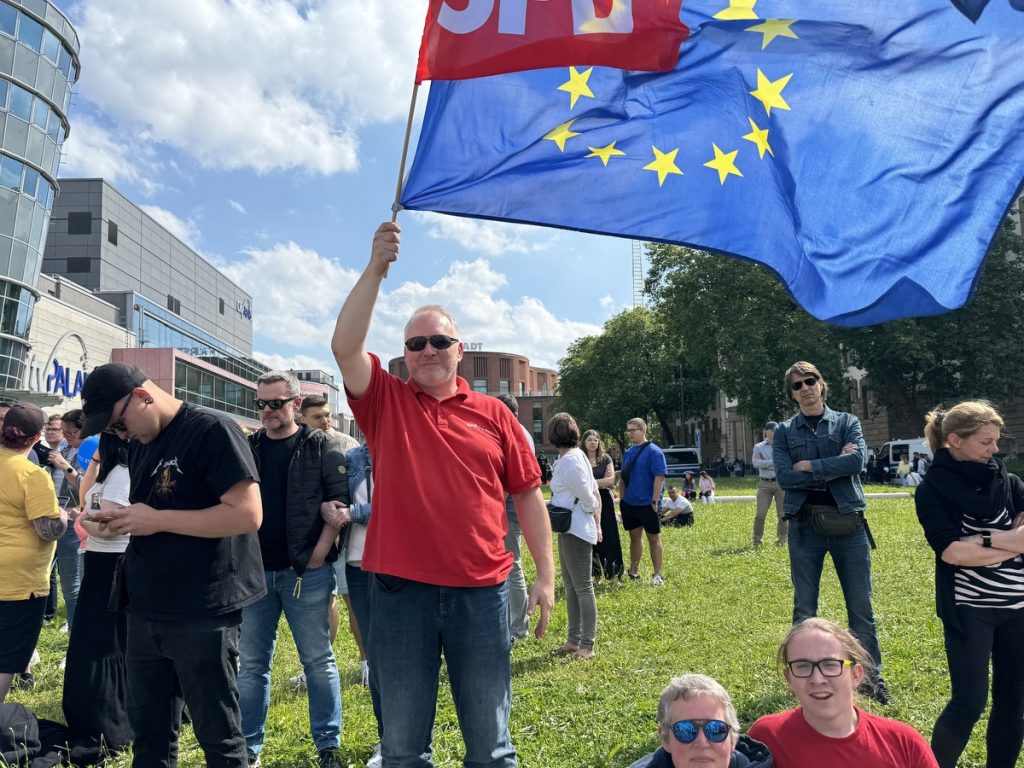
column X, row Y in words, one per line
column 667, row 505
column 113, row 489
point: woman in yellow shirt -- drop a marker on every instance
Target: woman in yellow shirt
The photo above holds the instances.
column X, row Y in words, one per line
column 31, row 521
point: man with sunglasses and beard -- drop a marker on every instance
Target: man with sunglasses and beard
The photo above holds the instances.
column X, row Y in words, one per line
column 439, row 567
column 192, row 565
column 818, row 457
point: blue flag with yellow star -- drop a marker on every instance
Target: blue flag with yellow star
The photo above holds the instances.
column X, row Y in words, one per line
column 864, row 150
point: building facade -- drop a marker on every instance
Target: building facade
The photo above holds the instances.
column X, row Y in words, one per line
column 38, row 67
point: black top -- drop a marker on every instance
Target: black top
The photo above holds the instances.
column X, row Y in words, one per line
column 194, row 461
column 818, row 496
column 274, row 457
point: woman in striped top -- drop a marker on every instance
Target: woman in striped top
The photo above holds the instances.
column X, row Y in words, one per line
column 972, row 512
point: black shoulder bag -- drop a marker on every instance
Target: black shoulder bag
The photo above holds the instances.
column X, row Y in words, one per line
column 627, row 469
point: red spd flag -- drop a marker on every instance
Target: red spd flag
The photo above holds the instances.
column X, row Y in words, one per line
column 476, row 38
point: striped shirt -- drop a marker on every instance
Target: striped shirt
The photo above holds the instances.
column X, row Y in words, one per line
column 996, row 586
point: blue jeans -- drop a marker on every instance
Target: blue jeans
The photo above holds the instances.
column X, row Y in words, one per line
column 851, row 556
column 69, row 568
column 411, row 623
column 518, row 594
column 359, row 595
column 307, row 618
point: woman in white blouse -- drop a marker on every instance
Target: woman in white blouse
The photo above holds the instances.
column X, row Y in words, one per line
column 573, row 487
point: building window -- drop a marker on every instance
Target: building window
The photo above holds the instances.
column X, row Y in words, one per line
column 504, row 387
column 80, row 223
column 221, row 306
column 173, row 304
column 505, row 368
column 112, row 233
column 79, row 264
column 522, row 388
column 480, row 367
column 538, row 423
column 480, row 385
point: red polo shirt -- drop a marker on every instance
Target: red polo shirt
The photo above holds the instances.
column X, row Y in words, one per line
column 441, row 470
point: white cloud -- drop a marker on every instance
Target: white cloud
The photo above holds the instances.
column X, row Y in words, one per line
column 297, row 362
column 261, row 84
column 606, row 301
column 237, row 206
column 186, row 230
column 490, row 238
column 93, row 151
column 295, row 314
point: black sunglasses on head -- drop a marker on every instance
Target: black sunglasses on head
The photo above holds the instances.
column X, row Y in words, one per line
column 438, row 341
column 715, row 731
column 810, row 381
column 274, row 405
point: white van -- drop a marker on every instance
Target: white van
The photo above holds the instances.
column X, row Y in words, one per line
column 889, row 454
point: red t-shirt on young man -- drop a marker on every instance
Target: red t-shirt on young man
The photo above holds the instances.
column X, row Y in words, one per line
column 876, row 742
column 441, row 469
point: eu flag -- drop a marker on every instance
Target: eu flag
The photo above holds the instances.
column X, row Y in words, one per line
column 864, row 150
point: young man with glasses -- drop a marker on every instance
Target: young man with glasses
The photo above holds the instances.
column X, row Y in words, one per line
column 300, row 468
column 818, row 457
column 192, row 565
column 641, row 481
column 698, row 727
column 439, row 565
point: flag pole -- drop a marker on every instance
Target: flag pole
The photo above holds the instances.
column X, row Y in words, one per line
column 397, row 205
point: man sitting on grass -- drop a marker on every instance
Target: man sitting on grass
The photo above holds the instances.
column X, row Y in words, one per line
column 676, row 510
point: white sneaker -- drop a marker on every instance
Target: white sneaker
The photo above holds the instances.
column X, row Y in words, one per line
column 366, row 672
column 657, row 581
column 298, row 683
column 375, row 761
column 64, row 628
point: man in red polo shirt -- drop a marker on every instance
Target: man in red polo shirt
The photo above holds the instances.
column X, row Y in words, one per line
column 439, row 564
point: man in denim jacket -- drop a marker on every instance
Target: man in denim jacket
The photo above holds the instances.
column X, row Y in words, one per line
column 818, row 457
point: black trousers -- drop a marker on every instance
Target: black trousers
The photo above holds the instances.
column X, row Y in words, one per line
column 194, row 662
column 996, row 633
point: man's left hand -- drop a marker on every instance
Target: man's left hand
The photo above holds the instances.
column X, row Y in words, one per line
column 803, row 466
column 135, row 520
column 543, row 595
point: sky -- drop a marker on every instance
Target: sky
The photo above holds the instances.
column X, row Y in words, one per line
column 267, row 135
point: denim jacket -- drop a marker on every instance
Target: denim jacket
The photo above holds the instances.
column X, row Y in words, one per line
column 358, row 466
column 796, row 441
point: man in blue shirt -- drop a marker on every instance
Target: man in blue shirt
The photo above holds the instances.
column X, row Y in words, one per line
column 641, row 481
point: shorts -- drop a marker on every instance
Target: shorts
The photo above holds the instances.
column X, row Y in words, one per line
column 340, row 582
column 634, row 516
column 21, row 621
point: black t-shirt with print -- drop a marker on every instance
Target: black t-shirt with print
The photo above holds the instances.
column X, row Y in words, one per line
column 194, row 461
column 275, row 456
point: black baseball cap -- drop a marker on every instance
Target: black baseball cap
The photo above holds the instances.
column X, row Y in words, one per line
column 770, row 426
column 25, row 417
column 102, row 389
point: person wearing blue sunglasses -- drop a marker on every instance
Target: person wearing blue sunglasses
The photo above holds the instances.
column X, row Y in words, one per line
column 697, row 725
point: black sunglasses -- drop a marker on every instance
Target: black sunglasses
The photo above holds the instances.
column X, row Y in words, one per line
column 274, row 405
column 810, row 381
column 118, row 425
column 715, row 731
column 438, row 341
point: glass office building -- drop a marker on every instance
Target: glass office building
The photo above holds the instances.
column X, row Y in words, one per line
column 38, row 67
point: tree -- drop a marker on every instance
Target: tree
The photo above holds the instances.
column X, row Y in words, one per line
column 630, row 369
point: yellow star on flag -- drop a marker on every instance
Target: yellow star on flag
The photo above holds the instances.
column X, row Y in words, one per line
column 664, row 163
column 577, row 85
column 759, row 136
column 605, row 153
column 724, row 163
column 772, row 28
column 769, row 92
column 738, row 9
column 561, row 134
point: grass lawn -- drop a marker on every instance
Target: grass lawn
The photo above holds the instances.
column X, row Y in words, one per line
column 722, row 612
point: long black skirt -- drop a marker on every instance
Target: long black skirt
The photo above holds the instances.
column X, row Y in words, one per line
column 95, row 681
column 608, row 551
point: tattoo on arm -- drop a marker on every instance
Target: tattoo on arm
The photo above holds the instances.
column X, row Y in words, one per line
column 50, row 528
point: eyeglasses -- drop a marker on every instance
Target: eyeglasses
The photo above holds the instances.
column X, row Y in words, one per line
column 633, row 429
column 715, row 731
column 437, row 341
column 118, row 425
column 274, row 405
column 810, row 381
column 827, row 667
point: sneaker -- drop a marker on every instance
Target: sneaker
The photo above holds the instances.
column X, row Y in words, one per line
column 253, row 759
column 328, row 758
column 64, row 628
column 24, row 681
column 657, row 581
column 633, row 576
column 365, row 665
column 298, row 683
column 376, row 759
column 876, row 690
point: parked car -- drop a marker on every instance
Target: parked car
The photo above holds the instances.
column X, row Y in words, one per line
column 681, row 459
column 890, row 453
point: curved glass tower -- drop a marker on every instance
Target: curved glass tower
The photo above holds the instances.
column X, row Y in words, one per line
column 38, row 66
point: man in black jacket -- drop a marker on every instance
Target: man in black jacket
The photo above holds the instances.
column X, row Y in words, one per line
column 300, row 469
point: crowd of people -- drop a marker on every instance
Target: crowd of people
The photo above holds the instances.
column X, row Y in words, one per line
column 198, row 538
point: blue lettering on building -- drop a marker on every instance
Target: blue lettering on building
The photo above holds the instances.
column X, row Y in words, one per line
column 60, row 382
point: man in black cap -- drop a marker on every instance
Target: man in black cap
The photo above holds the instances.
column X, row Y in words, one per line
column 192, row 565
column 768, row 489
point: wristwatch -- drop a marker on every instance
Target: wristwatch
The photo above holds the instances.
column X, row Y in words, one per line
column 986, row 539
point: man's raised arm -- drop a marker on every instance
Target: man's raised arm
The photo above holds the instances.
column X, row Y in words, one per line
column 349, row 340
